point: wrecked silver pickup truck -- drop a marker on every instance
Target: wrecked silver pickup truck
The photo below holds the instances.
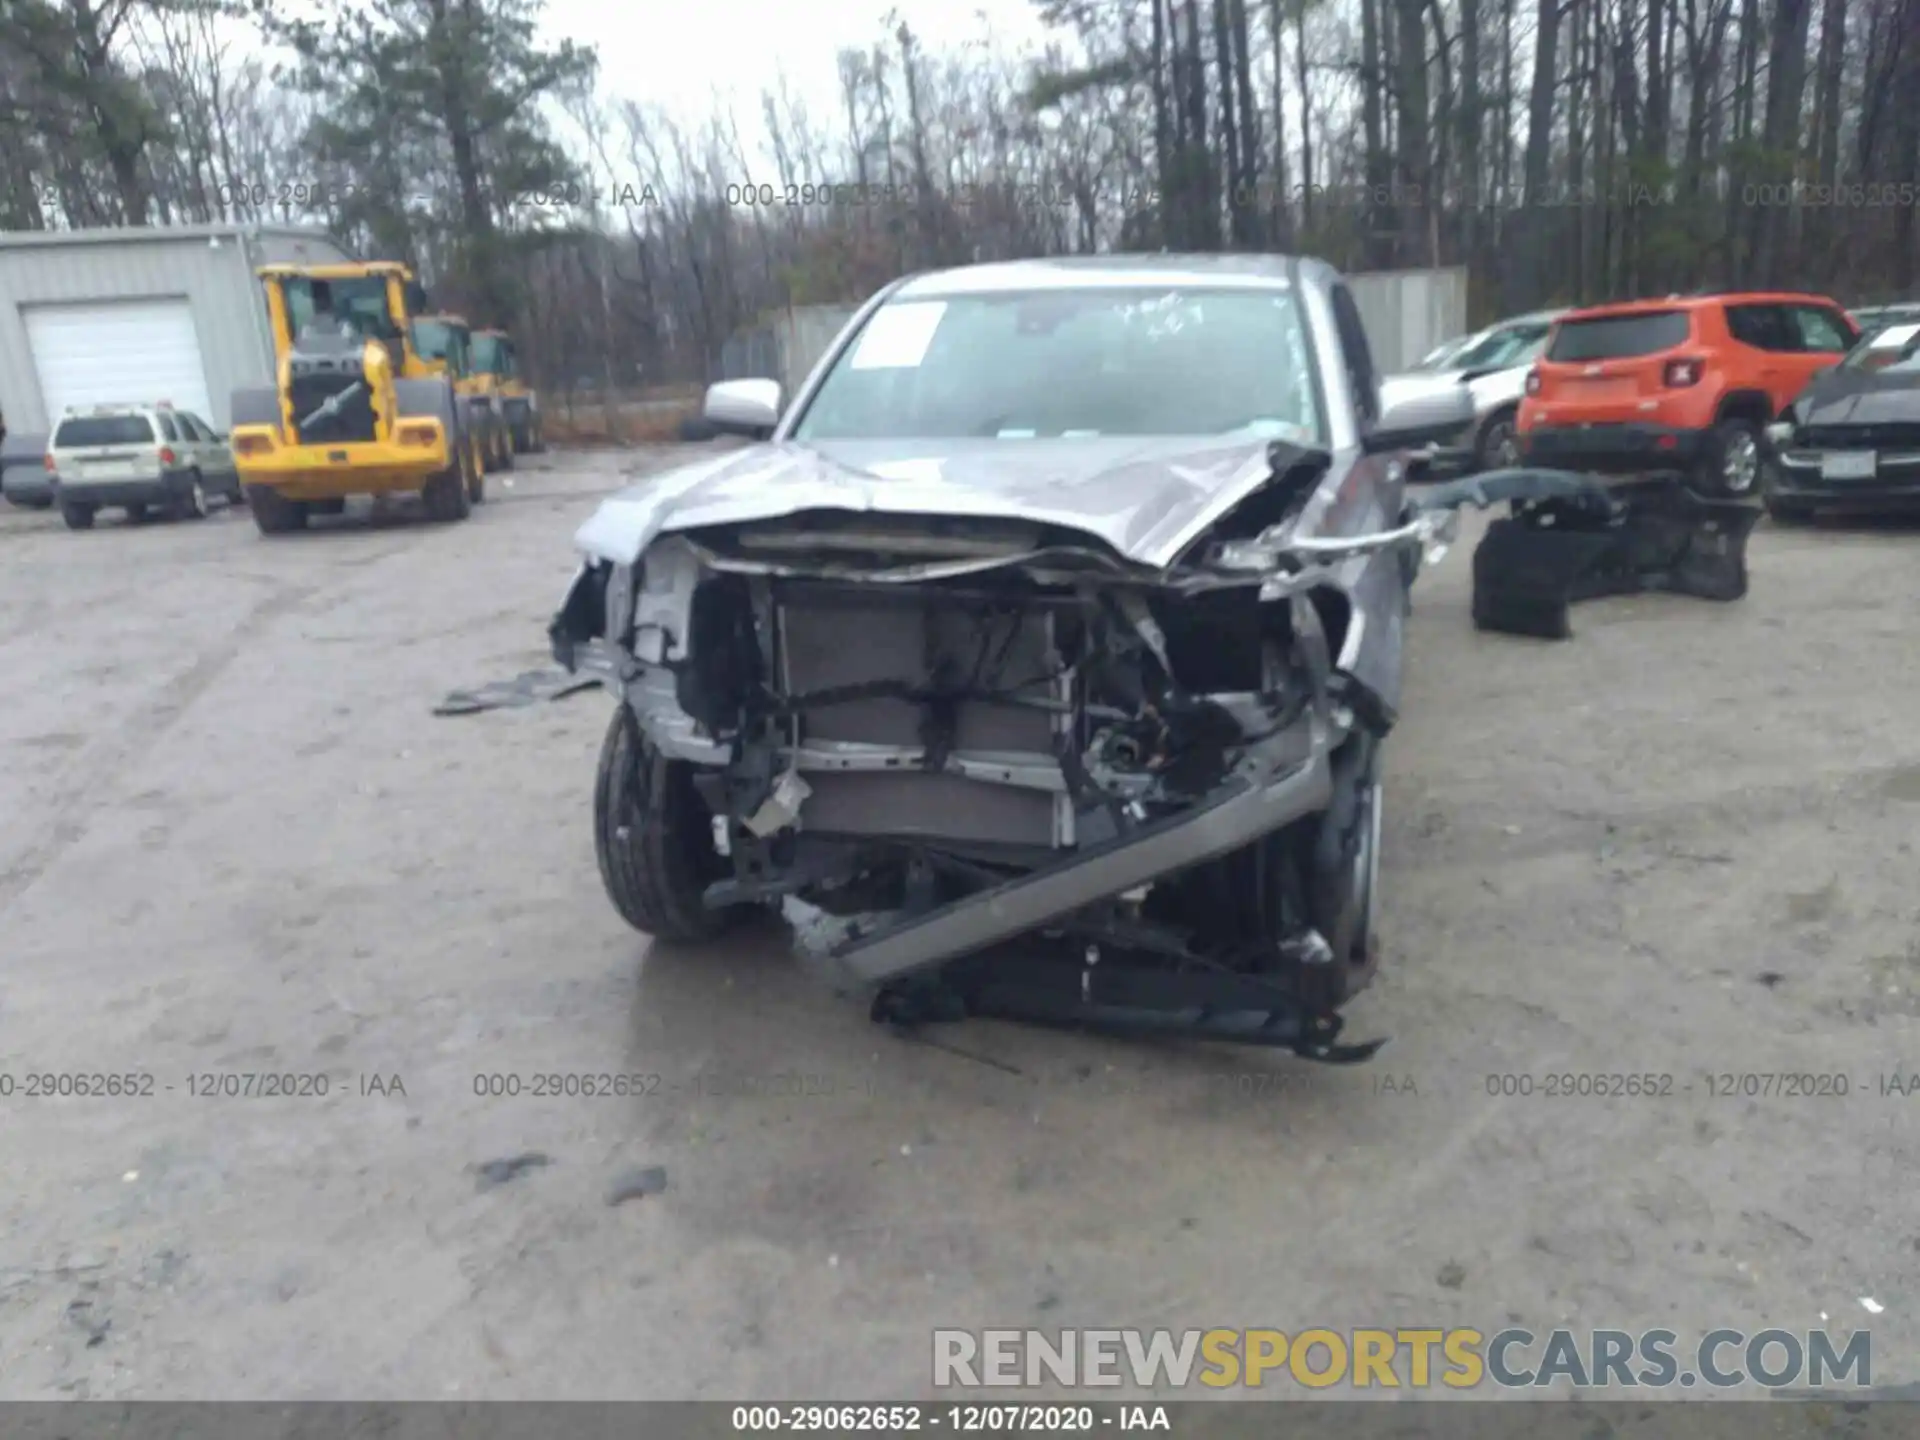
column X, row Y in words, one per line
column 1037, row 660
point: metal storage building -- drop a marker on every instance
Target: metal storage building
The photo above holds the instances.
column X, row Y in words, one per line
column 92, row 317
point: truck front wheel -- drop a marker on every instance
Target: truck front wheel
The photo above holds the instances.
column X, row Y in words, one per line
column 653, row 837
column 273, row 513
column 448, row 495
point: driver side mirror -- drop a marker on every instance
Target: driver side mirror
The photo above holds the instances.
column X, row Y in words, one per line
column 743, row 407
column 1420, row 420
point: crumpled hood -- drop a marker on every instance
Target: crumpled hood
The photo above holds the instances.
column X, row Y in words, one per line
column 1860, row 398
column 1146, row 498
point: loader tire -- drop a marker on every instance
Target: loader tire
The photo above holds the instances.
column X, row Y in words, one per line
column 477, row 479
column 652, row 835
column 273, row 513
column 446, row 496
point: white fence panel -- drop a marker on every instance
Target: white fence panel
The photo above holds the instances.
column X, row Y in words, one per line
column 1408, row 312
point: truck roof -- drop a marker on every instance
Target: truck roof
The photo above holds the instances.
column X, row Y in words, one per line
column 353, row 271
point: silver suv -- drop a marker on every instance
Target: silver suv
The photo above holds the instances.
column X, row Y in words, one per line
column 1493, row 366
column 138, row 458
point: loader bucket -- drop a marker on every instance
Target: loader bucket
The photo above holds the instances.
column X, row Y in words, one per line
column 1569, row 538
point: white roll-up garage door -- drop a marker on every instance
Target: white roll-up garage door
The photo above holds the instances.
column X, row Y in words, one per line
column 117, row 352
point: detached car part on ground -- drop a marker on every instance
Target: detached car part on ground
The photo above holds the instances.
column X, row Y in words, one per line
column 1851, row 442
column 1033, row 710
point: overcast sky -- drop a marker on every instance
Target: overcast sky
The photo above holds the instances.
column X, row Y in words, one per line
column 738, row 47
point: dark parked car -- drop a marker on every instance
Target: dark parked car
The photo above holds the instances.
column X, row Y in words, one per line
column 1065, row 603
column 23, row 471
column 1852, row 440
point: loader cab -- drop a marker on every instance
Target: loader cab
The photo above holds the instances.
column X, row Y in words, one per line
column 493, row 355
column 372, row 300
column 444, row 342
column 352, row 303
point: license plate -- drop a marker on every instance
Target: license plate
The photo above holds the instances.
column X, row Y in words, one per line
column 1849, row 465
column 108, row 470
column 338, row 457
column 1605, row 392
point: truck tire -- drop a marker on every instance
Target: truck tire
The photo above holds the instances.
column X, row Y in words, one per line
column 1320, row 872
column 193, row 504
column 1497, row 446
column 653, row 837
column 273, row 513
column 431, row 398
column 446, row 495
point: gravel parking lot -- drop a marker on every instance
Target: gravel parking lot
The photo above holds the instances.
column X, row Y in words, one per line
column 235, row 841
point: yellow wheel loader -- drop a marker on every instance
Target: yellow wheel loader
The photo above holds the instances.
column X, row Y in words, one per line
column 494, row 356
column 357, row 410
column 446, row 343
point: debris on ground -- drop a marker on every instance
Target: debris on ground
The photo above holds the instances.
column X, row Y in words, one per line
column 499, row 1172
column 637, row 1184
column 526, row 688
column 80, row 1314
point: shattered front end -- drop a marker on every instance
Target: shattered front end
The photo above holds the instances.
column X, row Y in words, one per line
column 982, row 769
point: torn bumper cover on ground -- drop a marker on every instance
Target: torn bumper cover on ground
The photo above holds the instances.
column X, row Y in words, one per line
column 1570, row 538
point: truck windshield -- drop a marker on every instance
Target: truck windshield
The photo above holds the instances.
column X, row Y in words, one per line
column 360, row 300
column 434, row 339
column 1074, row 364
column 490, row 356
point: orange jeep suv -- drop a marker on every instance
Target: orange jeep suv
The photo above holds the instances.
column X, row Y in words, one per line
column 1687, row 383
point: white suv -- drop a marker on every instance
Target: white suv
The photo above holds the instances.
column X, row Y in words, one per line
column 138, row 458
